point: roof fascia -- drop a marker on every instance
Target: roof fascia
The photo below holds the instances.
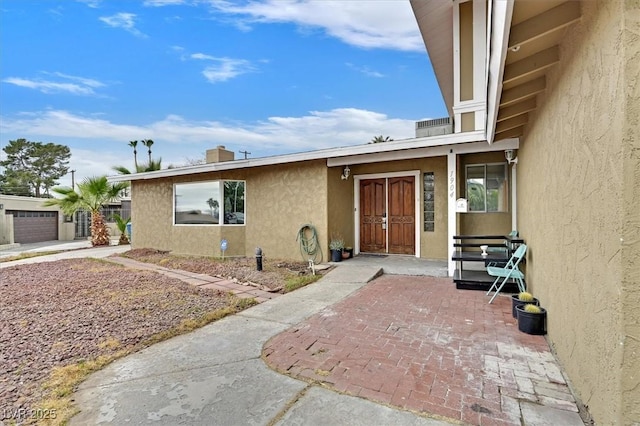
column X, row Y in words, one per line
column 500, row 24
column 434, row 151
column 391, row 146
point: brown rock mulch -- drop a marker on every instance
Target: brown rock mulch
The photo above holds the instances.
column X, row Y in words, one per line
column 59, row 313
column 243, row 269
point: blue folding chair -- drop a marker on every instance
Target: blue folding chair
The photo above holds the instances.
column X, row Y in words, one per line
column 510, row 271
column 502, row 250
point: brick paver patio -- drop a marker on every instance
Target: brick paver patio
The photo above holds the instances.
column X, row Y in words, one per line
column 420, row 344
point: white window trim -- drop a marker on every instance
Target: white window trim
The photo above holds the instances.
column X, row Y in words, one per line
column 506, row 176
column 220, row 183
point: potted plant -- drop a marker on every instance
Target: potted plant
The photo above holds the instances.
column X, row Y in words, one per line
column 348, row 251
column 532, row 319
column 522, row 298
column 335, row 246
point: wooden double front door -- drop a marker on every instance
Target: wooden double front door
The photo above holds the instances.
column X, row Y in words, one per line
column 387, row 215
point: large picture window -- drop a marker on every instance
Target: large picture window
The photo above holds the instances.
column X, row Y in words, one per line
column 487, row 189
column 209, row 203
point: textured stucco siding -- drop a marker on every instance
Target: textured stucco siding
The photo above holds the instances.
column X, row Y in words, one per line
column 631, row 214
column 577, row 202
column 340, row 208
column 278, row 201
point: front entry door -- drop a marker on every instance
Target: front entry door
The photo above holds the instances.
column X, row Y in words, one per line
column 402, row 217
column 373, row 235
column 387, row 213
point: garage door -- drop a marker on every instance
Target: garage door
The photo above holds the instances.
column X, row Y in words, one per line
column 32, row 227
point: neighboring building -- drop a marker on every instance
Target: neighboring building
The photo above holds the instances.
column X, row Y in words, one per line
column 551, row 85
column 25, row 220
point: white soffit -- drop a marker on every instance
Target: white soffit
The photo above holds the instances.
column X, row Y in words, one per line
column 435, row 21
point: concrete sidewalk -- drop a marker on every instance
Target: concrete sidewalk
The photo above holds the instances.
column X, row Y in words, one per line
column 68, row 251
column 215, row 375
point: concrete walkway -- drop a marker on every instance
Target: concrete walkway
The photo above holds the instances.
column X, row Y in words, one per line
column 215, row 375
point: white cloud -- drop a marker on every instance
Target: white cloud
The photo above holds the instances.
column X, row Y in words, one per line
column 160, row 3
column 365, row 70
column 127, row 21
column 78, row 85
column 91, row 3
column 361, row 23
column 223, row 69
column 275, row 135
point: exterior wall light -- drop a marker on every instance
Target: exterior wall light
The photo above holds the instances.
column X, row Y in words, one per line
column 509, row 154
column 346, row 173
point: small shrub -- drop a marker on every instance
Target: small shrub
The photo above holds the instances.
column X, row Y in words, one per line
column 525, row 297
column 532, row 309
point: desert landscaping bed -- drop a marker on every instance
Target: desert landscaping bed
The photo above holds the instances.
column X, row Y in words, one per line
column 274, row 275
column 61, row 318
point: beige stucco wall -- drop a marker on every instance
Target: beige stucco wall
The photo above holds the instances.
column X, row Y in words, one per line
column 340, row 207
column 497, row 223
column 578, row 179
column 279, row 200
column 433, row 245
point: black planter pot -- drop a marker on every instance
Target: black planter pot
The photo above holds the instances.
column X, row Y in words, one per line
column 517, row 302
column 532, row 323
column 336, row 255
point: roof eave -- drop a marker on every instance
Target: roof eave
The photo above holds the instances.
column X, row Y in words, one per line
column 323, row 154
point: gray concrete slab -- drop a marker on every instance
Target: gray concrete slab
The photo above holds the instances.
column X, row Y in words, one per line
column 400, row 264
column 232, row 339
column 320, row 406
column 95, row 252
column 540, row 415
column 236, row 393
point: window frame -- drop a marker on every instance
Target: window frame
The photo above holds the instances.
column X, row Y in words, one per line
column 220, row 184
column 506, row 190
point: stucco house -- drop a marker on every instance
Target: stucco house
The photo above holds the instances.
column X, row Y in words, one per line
column 553, row 86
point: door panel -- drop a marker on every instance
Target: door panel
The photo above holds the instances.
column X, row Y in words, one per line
column 372, row 214
column 401, row 219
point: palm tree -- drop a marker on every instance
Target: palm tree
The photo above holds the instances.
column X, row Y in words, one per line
column 379, row 139
column 213, row 205
column 148, row 143
column 92, row 194
column 134, row 144
column 140, row 168
column 122, row 223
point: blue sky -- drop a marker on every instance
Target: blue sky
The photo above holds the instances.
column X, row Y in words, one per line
column 269, row 76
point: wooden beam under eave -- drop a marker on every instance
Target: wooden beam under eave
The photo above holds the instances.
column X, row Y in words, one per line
column 544, row 23
column 531, row 64
column 517, row 109
column 523, row 91
column 511, row 133
column 512, row 123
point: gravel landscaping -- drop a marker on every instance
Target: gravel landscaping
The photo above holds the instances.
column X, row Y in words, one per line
column 274, row 274
column 66, row 312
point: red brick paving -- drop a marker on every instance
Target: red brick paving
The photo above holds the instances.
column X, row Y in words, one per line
column 420, row 344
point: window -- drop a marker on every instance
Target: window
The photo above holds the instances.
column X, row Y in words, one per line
column 205, row 203
column 429, row 202
column 487, row 187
